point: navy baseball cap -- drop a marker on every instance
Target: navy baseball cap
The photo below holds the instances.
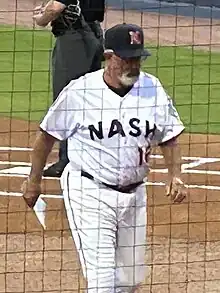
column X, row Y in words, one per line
column 126, row 41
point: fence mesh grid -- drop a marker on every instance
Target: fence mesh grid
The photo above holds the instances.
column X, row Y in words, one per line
column 183, row 246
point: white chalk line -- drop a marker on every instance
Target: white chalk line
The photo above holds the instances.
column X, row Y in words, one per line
column 198, row 161
column 18, row 194
column 23, row 168
column 25, row 176
column 20, row 171
column 18, row 149
column 199, row 172
column 189, row 186
column 10, row 163
column 56, row 196
column 25, row 149
column 188, row 158
column 11, row 173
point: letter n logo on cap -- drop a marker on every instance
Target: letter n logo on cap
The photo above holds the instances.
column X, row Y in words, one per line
column 135, row 37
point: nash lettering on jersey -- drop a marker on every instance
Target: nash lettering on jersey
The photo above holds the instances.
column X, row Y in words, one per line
column 117, row 128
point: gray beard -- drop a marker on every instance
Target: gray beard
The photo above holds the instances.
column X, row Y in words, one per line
column 128, row 80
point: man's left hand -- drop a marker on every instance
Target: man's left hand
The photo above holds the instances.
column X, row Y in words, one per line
column 176, row 189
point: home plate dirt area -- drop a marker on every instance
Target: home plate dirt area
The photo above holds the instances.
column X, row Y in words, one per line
column 183, row 249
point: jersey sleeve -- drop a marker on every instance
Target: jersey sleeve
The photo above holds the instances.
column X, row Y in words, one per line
column 60, row 120
column 167, row 119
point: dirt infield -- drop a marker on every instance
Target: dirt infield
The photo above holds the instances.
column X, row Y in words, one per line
column 183, row 250
column 183, row 240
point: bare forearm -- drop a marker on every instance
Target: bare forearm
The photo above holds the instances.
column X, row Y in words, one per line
column 43, row 20
column 46, row 18
column 41, row 149
column 172, row 157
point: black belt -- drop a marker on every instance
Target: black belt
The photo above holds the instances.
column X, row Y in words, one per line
column 123, row 189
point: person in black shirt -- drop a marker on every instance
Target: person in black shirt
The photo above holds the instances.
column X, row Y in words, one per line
column 78, row 48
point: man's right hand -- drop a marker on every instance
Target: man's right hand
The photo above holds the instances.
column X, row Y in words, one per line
column 31, row 191
column 39, row 9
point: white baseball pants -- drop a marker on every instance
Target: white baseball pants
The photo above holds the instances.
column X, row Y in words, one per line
column 109, row 231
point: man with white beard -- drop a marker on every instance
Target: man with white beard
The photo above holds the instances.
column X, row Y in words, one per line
column 111, row 118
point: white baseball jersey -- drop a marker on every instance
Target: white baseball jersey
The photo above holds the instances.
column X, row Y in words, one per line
column 108, row 135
